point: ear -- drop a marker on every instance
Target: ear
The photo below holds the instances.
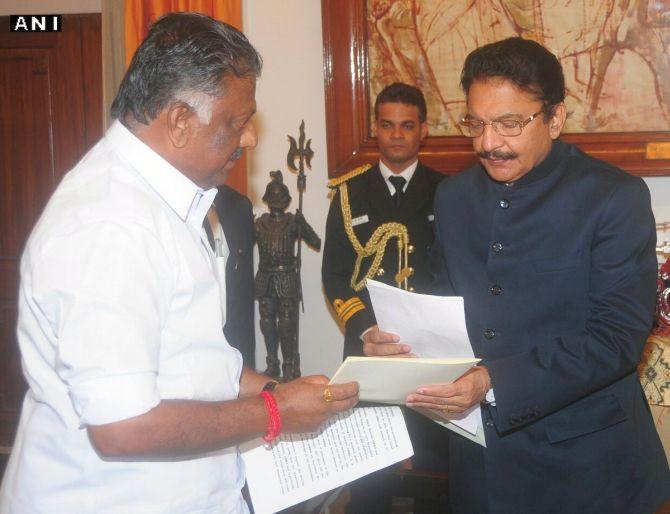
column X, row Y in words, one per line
column 424, row 130
column 181, row 122
column 557, row 121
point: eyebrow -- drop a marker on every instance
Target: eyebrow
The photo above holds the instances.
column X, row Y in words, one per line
column 401, row 122
column 501, row 117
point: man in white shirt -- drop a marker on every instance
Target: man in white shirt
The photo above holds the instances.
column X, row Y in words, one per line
column 136, row 400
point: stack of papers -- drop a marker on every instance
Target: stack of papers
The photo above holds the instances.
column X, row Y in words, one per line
column 433, row 326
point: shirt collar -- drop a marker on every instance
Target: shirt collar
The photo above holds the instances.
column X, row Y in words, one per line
column 407, row 173
column 185, row 198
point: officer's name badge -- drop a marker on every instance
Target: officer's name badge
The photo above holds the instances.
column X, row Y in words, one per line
column 431, row 217
column 360, row 220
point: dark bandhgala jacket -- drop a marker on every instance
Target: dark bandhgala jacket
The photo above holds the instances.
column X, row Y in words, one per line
column 237, row 221
column 558, row 273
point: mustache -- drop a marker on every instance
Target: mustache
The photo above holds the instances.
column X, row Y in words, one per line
column 497, row 155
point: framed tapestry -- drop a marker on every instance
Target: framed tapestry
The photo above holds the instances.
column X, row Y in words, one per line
column 614, row 55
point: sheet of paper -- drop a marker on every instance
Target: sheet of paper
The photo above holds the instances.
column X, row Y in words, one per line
column 372, row 375
column 434, row 326
column 476, row 437
column 297, row 467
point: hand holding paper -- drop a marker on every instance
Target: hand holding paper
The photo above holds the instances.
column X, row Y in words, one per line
column 458, row 396
column 377, row 343
column 433, row 326
column 385, row 380
column 301, row 402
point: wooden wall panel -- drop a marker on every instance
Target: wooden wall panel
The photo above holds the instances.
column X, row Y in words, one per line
column 50, row 115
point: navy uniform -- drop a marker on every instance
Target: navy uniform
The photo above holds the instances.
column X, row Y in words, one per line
column 370, row 205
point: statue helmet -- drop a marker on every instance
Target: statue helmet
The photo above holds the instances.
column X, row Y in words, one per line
column 276, row 191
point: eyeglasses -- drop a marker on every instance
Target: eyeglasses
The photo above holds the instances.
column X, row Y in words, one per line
column 504, row 127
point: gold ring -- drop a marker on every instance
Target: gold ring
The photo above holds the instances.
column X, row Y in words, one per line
column 446, row 410
column 327, row 395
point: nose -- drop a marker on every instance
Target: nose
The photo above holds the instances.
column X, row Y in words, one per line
column 249, row 137
column 490, row 139
column 397, row 132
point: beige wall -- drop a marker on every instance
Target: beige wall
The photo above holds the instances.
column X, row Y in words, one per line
column 288, row 36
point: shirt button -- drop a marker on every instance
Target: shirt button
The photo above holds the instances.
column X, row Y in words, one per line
column 496, row 289
column 489, row 333
column 504, row 204
column 497, row 247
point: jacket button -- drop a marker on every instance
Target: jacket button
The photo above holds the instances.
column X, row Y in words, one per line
column 489, row 423
column 380, row 272
column 497, row 247
column 496, row 289
column 504, row 204
column 489, row 333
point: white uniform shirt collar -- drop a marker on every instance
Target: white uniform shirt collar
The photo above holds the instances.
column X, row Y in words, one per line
column 187, row 199
column 407, row 174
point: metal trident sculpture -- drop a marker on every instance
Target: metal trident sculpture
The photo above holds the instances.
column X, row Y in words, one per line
column 304, row 153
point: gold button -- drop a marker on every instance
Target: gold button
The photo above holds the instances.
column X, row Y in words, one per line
column 410, row 249
column 410, row 271
column 380, row 272
column 411, row 289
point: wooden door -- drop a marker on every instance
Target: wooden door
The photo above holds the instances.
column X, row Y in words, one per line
column 50, row 115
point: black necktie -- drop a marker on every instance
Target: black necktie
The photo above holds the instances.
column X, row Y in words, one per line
column 399, row 183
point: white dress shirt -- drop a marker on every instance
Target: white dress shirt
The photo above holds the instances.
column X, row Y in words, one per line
column 119, row 308
column 407, row 174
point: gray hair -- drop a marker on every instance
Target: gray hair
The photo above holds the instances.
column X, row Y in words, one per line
column 184, row 58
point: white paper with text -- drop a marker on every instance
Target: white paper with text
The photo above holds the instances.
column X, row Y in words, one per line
column 297, row 467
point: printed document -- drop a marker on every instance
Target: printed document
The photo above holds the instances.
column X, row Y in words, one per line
column 296, row 467
column 433, row 326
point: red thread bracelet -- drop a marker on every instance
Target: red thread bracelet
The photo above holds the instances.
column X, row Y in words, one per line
column 274, row 420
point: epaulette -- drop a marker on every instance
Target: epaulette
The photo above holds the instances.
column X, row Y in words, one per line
column 333, row 183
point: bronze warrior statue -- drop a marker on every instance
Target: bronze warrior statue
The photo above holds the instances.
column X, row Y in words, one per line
column 278, row 289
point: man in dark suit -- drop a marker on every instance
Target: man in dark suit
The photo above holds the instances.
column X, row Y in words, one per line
column 391, row 197
column 237, row 220
column 553, row 252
